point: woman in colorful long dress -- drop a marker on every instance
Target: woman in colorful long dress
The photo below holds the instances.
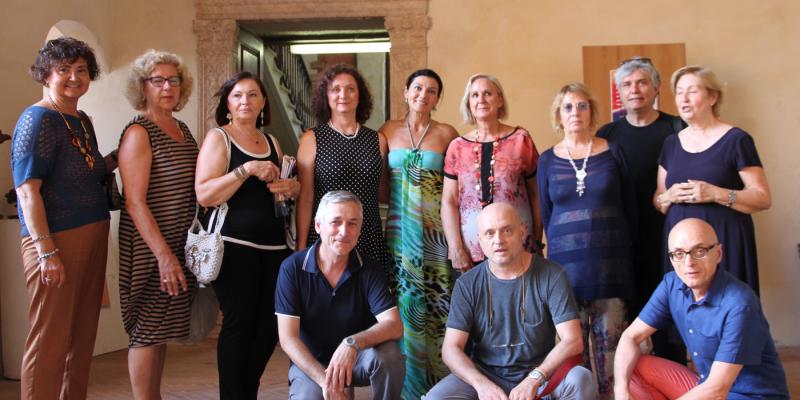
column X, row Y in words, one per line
column 414, row 230
column 494, row 162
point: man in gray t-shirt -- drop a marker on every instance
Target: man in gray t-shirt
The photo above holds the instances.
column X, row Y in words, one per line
column 511, row 306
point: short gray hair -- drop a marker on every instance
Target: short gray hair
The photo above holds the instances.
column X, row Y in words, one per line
column 143, row 66
column 337, row 197
column 632, row 65
column 466, row 113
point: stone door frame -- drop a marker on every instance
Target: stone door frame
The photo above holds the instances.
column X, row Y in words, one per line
column 216, row 29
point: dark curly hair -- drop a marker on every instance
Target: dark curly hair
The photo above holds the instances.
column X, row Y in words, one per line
column 221, row 114
column 61, row 50
column 319, row 100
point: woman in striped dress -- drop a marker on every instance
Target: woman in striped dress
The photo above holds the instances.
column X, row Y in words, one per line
column 414, row 231
column 157, row 156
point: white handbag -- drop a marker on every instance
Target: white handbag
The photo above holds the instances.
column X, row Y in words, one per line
column 204, row 248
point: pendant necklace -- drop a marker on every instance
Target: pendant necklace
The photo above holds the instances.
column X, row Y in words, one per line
column 477, row 161
column 86, row 151
column 415, row 147
column 580, row 174
column 345, row 134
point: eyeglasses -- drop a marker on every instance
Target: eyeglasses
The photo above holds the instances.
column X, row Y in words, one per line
column 639, row 59
column 697, row 253
column 158, row 81
column 582, row 106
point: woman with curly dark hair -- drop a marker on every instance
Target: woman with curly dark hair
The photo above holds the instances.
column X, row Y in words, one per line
column 64, row 216
column 342, row 154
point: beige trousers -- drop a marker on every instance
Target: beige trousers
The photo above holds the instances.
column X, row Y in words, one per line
column 58, row 351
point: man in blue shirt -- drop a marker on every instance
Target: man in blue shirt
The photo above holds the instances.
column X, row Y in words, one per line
column 720, row 320
column 337, row 321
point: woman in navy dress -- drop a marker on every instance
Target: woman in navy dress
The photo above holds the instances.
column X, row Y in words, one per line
column 711, row 170
column 587, row 210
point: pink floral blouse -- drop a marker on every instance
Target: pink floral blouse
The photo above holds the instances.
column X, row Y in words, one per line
column 515, row 161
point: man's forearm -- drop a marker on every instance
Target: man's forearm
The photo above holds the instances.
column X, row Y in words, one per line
column 297, row 351
column 560, row 353
column 462, row 366
column 625, row 360
column 380, row 332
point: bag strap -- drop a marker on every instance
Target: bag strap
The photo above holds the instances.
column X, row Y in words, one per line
column 218, row 215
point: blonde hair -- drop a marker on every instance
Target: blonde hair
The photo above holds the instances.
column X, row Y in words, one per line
column 143, row 66
column 707, row 77
column 555, row 108
column 466, row 113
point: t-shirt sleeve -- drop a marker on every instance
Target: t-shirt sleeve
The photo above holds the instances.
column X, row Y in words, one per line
column 745, row 153
column 33, row 148
column 287, row 294
column 461, row 314
column 743, row 338
column 378, row 295
column 656, row 312
column 451, row 160
column 561, row 302
column 530, row 156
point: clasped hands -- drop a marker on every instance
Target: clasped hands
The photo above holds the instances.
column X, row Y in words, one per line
column 691, row 191
column 268, row 172
column 526, row 390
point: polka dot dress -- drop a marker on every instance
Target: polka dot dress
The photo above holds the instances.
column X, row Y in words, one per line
column 353, row 164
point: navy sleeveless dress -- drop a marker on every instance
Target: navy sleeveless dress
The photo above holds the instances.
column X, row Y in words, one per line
column 719, row 165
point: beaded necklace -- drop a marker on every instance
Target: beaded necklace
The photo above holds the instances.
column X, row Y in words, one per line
column 580, row 174
column 477, row 154
column 86, row 151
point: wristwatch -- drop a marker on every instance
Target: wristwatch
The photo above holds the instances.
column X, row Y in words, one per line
column 538, row 376
column 351, row 342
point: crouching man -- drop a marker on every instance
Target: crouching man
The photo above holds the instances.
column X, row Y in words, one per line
column 720, row 321
column 337, row 321
column 511, row 306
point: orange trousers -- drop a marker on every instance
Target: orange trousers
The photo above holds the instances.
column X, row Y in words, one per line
column 58, row 351
column 656, row 378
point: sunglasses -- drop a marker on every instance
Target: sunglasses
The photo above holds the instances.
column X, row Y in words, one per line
column 639, row 59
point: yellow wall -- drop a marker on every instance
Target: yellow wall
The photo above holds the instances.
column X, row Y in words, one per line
column 534, row 47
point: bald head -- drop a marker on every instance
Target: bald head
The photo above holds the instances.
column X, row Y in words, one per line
column 501, row 235
column 693, row 229
column 496, row 210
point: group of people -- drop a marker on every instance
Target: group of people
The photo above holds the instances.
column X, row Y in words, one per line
column 453, row 299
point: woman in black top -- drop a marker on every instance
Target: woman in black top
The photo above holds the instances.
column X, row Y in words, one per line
column 254, row 236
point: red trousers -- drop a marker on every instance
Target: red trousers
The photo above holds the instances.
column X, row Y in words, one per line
column 658, row 378
column 58, row 351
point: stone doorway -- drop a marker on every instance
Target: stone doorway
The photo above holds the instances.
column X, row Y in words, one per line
column 216, row 28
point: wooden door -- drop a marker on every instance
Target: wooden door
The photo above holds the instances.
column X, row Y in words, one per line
column 600, row 62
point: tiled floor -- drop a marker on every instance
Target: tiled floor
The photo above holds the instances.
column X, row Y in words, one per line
column 191, row 373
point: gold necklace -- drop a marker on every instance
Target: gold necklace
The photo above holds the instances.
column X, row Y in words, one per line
column 86, row 151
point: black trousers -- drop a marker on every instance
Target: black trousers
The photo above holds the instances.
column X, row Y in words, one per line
column 245, row 289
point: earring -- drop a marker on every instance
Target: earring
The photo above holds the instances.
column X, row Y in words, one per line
column 229, row 117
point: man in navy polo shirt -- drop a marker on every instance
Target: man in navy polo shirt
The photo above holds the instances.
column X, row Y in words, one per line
column 337, row 321
column 720, row 321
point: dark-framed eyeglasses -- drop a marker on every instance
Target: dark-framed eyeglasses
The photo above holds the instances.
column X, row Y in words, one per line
column 158, row 81
column 582, row 106
column 697, row 253
column 639, row 59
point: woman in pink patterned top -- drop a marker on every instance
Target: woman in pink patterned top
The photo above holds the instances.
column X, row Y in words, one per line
column 492, row 163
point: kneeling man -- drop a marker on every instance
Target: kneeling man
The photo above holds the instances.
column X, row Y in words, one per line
column 337, row 321
column 720, row 321
column 511, row 306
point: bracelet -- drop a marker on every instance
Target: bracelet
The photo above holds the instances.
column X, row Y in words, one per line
column 731, row 198
column 241, row 173
column 47, row 254
column 40, row 238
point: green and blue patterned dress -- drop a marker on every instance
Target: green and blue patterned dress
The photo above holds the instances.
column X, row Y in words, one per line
column 423, row 274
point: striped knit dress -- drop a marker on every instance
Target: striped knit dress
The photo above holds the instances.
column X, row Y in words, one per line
column 151, row 316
